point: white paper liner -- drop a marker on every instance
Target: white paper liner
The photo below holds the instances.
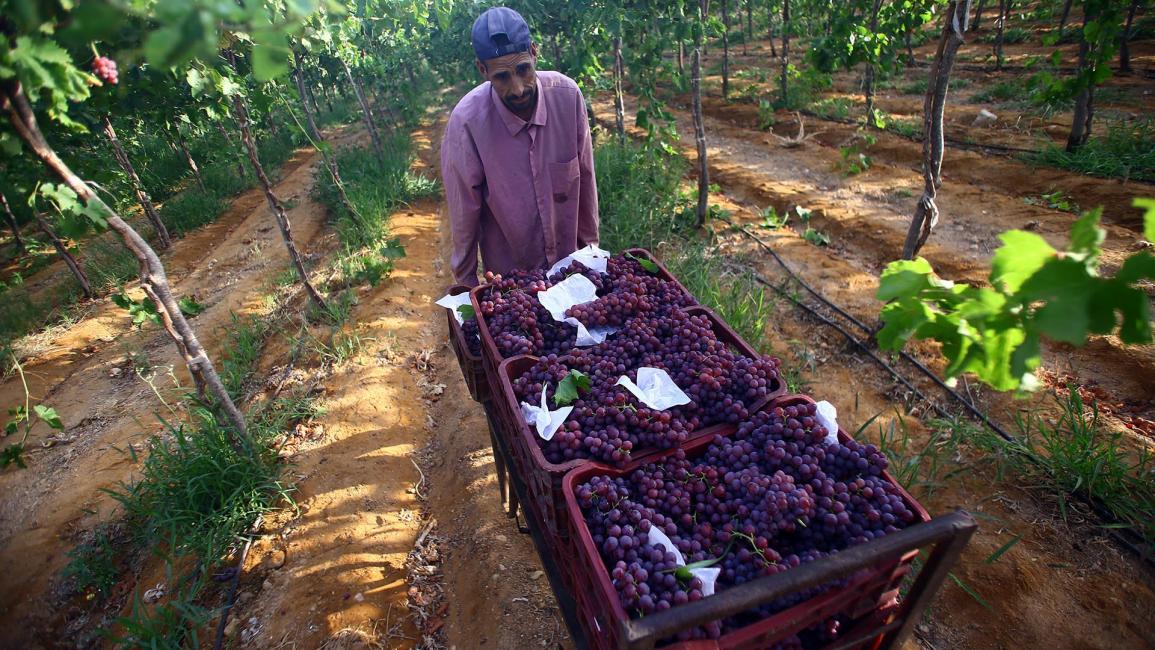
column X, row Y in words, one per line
column 546, row 422
column 452, row 303
column 828, row 417
column 708, row 575
column 574, row 290
column 591, row 256
column 655, row 389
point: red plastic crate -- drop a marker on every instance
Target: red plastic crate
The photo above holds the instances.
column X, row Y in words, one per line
column 866, row 601
column 471, row 367
column 542, row 478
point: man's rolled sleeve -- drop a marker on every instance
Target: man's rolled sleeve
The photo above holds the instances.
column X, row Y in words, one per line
column 462, row 174
column 587, row 226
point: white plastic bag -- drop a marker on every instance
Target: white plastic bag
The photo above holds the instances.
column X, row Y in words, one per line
column 828, row 417
column 574, row 290
column 655, row 389
column 452, row 303
column 591, row 256
column 708, row 575
column 546, row 422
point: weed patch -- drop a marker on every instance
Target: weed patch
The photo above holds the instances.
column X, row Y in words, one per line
column 1126, row 151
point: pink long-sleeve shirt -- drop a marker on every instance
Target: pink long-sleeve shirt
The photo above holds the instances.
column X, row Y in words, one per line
column 524, row 192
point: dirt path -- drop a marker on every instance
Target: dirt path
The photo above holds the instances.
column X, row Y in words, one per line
column 106, row 409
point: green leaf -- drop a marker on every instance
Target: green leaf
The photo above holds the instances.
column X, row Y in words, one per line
column 815, row 237
column 1086, row 235
column 270, row 55
column 1020, row 256
column 393, row 250
column 466, row 311
column 567, row 391
column 994, row 557
column 1140, row 266
column 646, row 264
column 902, row 319
column 905, row 278
column 1132, row 304
column 1148, row 206
column 13, row 454
column 48, row 416
column 189, row 306
column 1066, row 288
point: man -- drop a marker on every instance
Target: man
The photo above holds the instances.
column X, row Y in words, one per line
column 516, row 158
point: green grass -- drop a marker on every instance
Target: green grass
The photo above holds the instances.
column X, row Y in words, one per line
column 838, row 108
column 376, row 188
column 1127, row 150
column 641, row 205
column 1011, row 36
column 916, row 87
column 108, row 264
column 245, row 338
column 1002, row 91
column 1073, row 454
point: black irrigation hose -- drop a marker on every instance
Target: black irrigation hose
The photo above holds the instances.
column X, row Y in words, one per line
column 870, row 332
column 1126, row 537
column 231, row 600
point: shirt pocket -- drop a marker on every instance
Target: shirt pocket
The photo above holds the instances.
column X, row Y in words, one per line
column 563, row 178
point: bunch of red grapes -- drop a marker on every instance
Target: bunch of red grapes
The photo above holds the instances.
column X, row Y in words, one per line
column 105, row 68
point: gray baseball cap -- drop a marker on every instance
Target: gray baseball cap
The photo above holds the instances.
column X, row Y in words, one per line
column 500, row 31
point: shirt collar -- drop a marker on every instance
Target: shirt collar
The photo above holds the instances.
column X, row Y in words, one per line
column 513, row 123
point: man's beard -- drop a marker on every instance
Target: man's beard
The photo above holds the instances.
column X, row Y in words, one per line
column 529, row 103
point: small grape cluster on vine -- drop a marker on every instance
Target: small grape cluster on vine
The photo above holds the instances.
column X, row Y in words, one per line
column 105, row 68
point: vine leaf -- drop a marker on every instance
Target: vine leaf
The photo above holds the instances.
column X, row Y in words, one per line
column 567, row 391
column 1148, row 206
column 393, row 249
column 1022, row 254
column 48, row 416
column 646, row 264
column 466, row 311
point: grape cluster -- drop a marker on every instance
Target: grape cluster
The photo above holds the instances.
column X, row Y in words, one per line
column 629, row 292
column 472, row 334
column 608, row 423
column 105, row 68
column 770, row 497
column 519, row 324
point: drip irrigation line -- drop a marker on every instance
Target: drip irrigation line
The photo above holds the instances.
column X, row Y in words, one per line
column 231, row 600
column 853, row 340
column 870, row 332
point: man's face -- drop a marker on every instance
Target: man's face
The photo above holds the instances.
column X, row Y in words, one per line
column 514, row 79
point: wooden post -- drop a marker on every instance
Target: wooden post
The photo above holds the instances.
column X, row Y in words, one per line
column 142, row 196
column 13, row 224
column 700, row 137
column 926, row 212
column 66, row 255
